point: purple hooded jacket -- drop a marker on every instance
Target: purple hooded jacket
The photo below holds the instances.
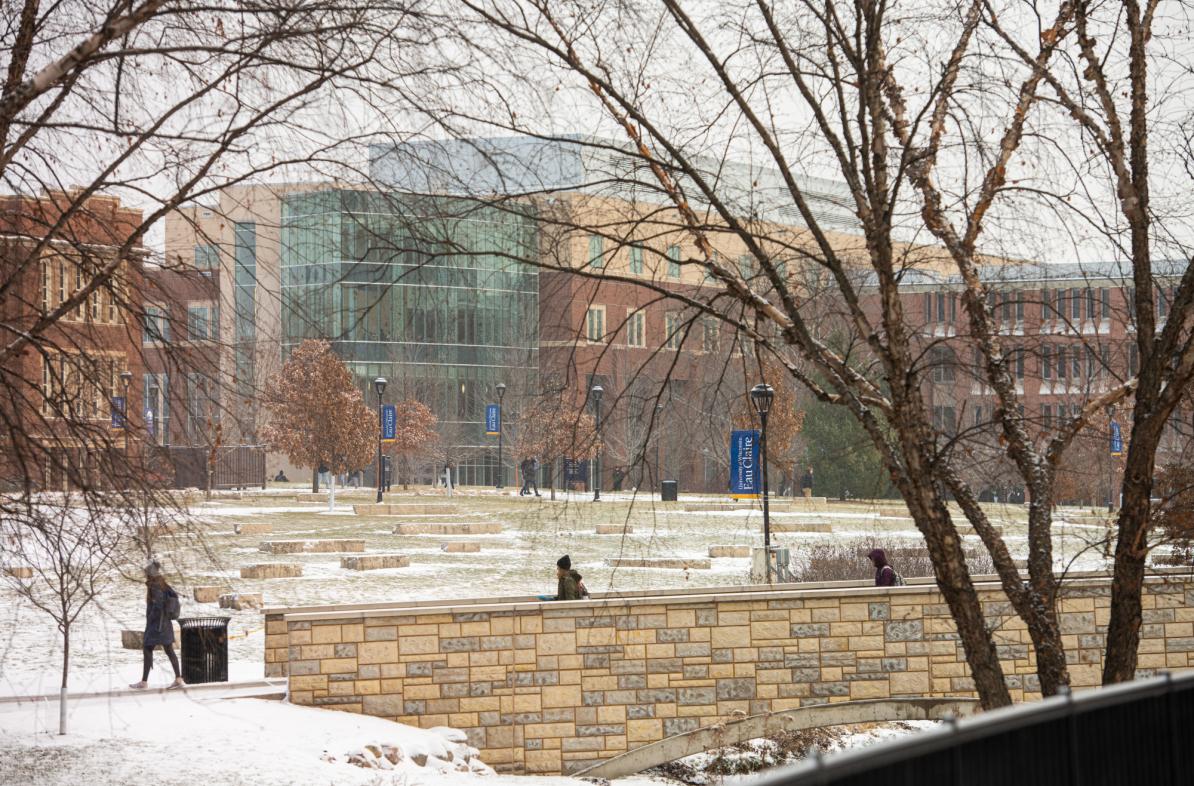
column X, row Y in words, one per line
column 884, row 574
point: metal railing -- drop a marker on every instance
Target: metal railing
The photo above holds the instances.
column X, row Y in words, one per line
column 1139, row 734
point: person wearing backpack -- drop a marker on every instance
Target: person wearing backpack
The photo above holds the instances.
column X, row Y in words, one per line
column 162, row 607
column 885, row 574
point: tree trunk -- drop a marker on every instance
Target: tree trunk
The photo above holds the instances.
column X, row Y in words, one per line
column 1127, row 585
column 315, row 480
column 65, row 677
column 332, row 494
column 551, row 478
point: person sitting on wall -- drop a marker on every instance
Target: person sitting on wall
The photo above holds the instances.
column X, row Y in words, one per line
column 570, row 585
column 281, row 477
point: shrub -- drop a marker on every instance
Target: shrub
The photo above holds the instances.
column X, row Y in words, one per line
column 845, row 559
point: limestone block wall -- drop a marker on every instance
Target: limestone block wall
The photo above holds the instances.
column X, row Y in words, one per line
column 555, row 687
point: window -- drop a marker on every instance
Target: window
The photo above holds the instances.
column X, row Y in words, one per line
column 1020, row 305
column 157, row 408
column 1091, row 310
column 673, row 261
column 1046, row 362
column 595, row 323
column 1047, row 415
column 1062, row 368
column 1092, row 367
column 200, row 325
column 207, row 256
column 1018, row 362
column 1105, row 295
column 940, row 306
column 1061, row 304
column 1005, row 307
column 746, row 267
column 943, row 364
column 1075, row 363
column 596, row 251
column 945, row 420
column 710, row 334
column 671, row 329
column 635, row 329
column 636, row 259
column 1133, row 359
column 157, row 328
column 1162, row 303
column 47, row 285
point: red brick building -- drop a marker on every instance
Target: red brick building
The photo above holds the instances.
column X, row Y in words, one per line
column 58, row 397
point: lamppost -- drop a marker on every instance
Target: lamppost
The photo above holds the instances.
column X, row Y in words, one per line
column 762, row 395
column 501, row 469
column 126, row 377
column 379, row 385
column 658, row 440
column 596, row 392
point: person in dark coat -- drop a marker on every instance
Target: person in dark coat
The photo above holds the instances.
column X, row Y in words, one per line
column 524, row 467
column 570, row 585
column 885, row 575
column 806, row 483
column 159, row 630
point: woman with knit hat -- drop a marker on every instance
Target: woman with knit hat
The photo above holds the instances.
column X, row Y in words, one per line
column 159, row 629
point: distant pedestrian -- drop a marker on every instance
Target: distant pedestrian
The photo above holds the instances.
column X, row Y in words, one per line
column 885, row 574
column 161, row 609
column 806, row 483
column 533, row 480
column 619, row 477
column 281, row 477
column 524, row 468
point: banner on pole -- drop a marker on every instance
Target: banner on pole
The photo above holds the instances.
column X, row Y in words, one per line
column 118, row 413
column 389, row 423
column 493, row 420
column 744, row 464
column 1117, row 440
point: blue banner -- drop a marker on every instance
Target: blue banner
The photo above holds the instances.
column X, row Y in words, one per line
column 389, row 423
column 118, row 413
column 493, row 420
column 745, row 482
column 1117, row 440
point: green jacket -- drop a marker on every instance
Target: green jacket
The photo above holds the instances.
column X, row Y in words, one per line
column 569, row 586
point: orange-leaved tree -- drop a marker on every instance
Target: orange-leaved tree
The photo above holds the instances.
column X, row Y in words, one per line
column 414, row 433
column 558, row 429
column 317, row 416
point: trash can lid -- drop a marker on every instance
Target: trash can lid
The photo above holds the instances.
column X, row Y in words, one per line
column 203, row 622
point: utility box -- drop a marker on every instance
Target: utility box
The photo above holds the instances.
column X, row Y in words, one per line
column 781, row 566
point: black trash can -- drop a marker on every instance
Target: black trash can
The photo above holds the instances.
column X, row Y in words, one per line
column 204, row 649
column 670, row 490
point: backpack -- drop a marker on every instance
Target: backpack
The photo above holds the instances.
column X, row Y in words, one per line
column 899, row 580
column 173, row 605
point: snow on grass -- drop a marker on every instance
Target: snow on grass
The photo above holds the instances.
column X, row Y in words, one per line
column 172, row 738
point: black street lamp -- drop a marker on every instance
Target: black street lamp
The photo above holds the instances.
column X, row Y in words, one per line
column 761, row 395
column 658, row 440
column 125, row 378
column 596, row 392
column 501, row 470
column 379, row 385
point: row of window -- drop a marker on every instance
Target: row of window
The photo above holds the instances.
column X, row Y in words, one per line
column 1055, row 304
column 80, row 385
column 1060, row 361
column 203, row 324
column 61, row 278
column 598, row 259
column 675, row 329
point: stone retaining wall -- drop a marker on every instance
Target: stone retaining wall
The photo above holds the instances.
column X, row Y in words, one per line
column 555, row 687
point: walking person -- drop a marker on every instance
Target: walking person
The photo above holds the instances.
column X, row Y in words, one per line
column 161, row 608
column 806, row 483
column 885, row 574
column 524, row 467
column 533, row 477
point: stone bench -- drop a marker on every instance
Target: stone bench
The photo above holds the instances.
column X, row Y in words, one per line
column 801, row 526
column 312, row 546
column 729, row 551
column 207, row 594
column 271, row 570
column 18, row 572
column 449, row 528
column 461, row 548
column 667, row 564
column 241, row 601
column 614, row 529
column 405, row 508
column 375, row 562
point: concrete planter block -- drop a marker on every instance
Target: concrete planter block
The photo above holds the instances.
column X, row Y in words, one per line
column 405, row 509
column 667, row 564
column 453, row 528
column 241, row 601
column 207, row 594
column 375, row 562
column 312, row 546
column 252, row 528
column 801, row 526
column 461, row 548
column 272, row 570
column 614, row 529
column 131, row 639
column 729, row 551
column 18, row 572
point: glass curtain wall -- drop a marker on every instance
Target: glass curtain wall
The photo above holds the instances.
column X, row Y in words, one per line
column 431, row 294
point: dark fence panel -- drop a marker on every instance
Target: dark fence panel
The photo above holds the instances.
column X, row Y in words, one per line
column 236, row 466
column 1125, row 735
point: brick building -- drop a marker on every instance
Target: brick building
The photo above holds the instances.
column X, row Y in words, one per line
column 58, row 398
